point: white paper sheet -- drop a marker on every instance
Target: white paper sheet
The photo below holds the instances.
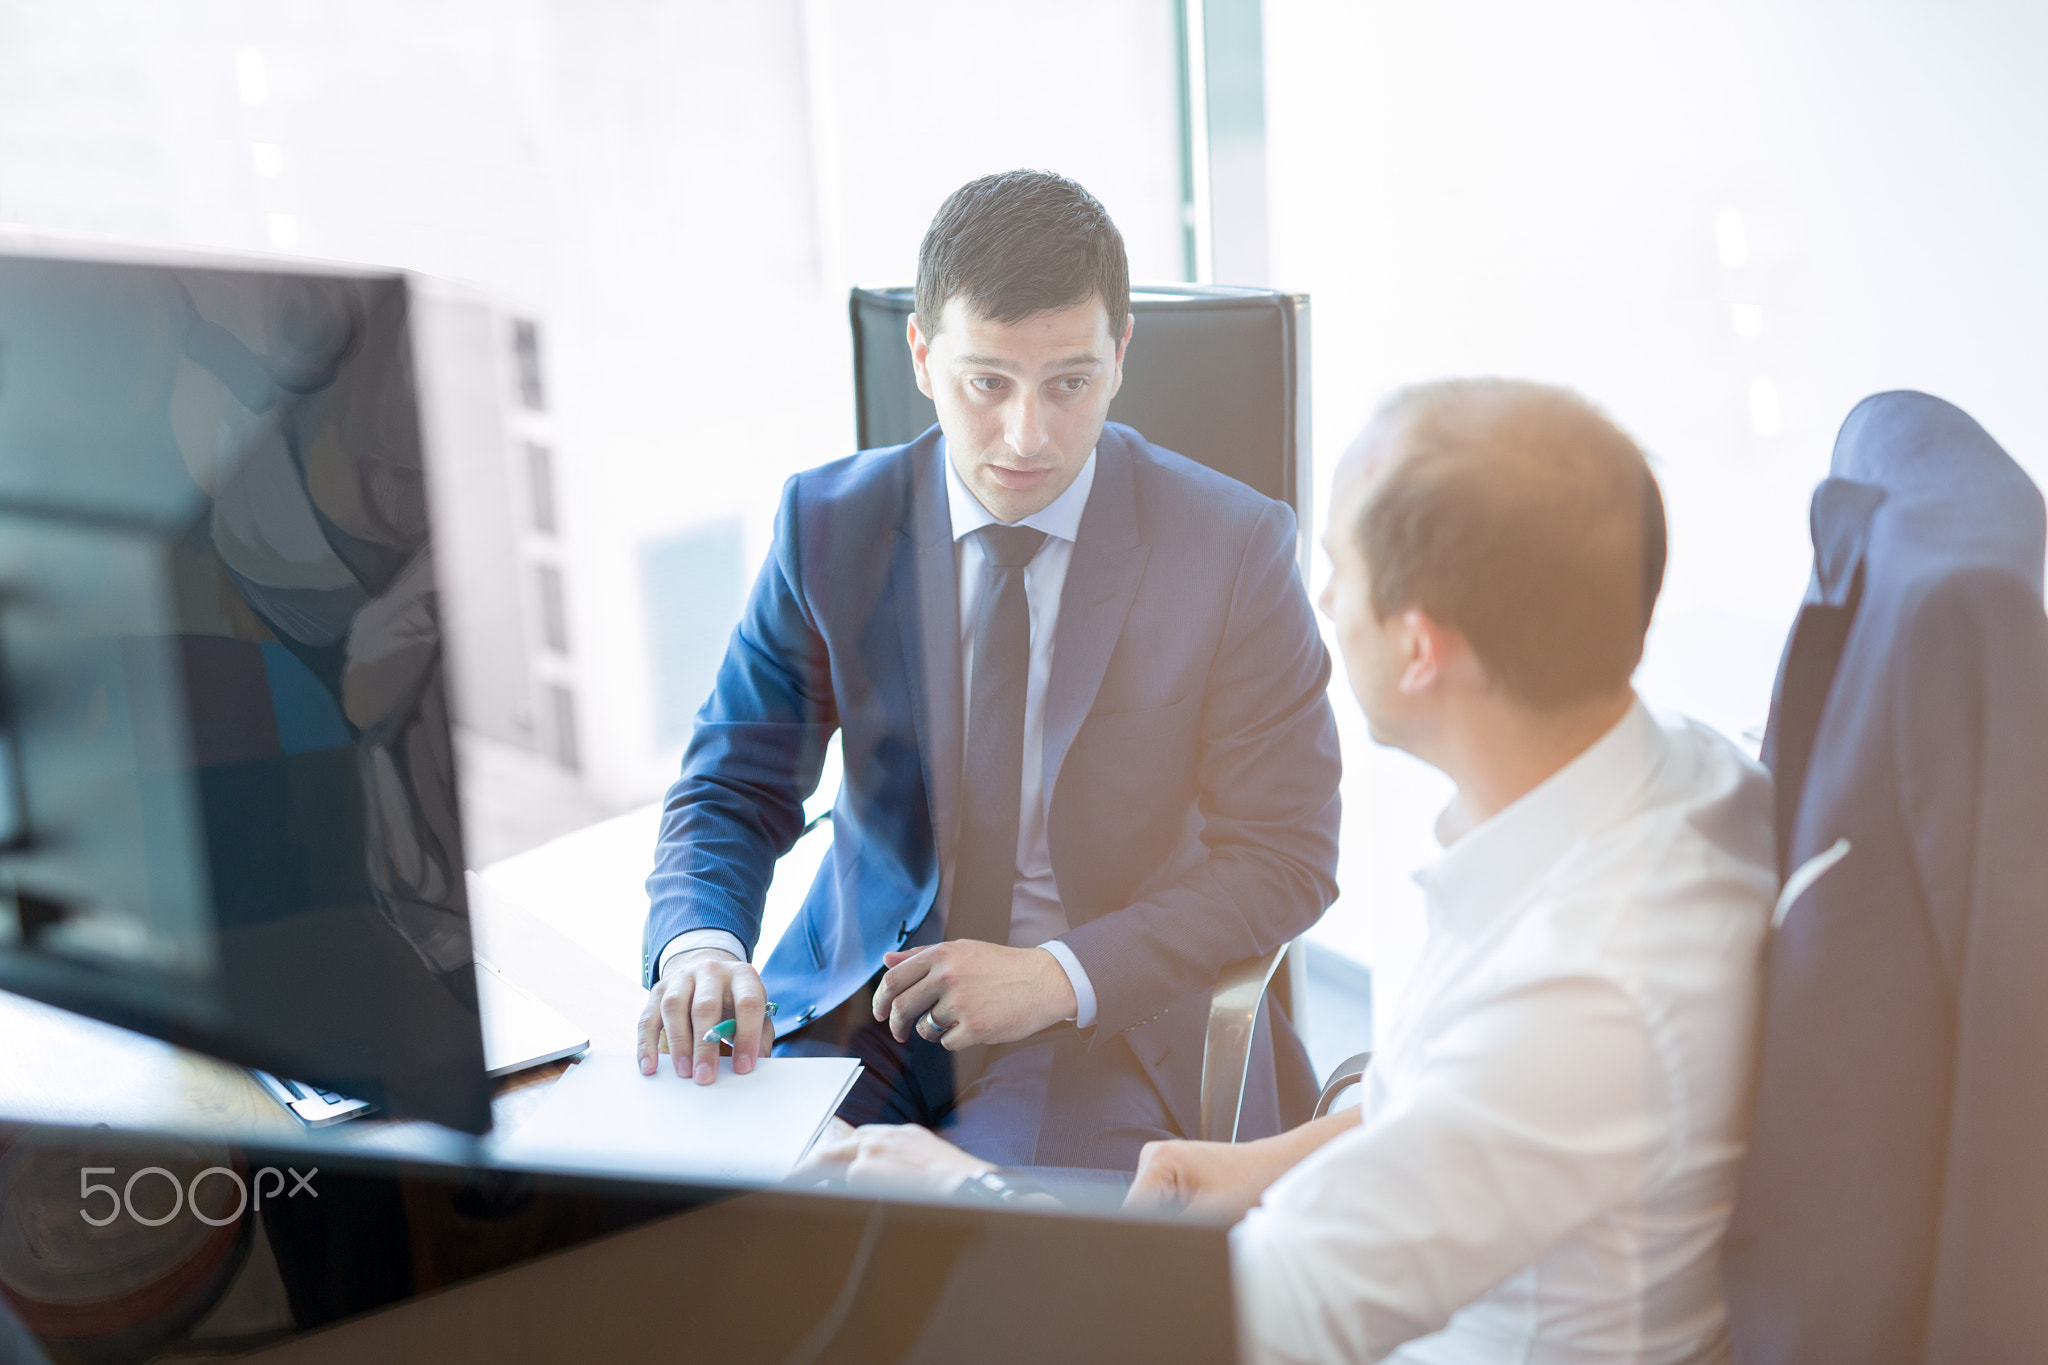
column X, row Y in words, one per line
column 605, row 1118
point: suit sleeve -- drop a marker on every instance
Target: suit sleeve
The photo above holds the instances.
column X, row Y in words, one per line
column 1972, row 735
column 1266, row 782
column 756, row 753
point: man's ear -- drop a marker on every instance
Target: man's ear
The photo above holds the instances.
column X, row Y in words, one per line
column 1116, row 374
column 1424, row 649
column 919, row 348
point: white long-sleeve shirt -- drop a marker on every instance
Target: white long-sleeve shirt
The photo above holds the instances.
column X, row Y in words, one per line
column 1546, row 1152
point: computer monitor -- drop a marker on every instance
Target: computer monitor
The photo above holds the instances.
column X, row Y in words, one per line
column 228, row 808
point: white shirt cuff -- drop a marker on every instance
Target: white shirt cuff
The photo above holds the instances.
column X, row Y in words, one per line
column 1084, row 993
column 699, row 938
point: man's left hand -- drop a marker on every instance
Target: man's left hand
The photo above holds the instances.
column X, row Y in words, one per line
column 891, row 1157
column 966, row 994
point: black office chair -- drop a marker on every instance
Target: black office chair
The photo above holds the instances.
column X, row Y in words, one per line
column 1221, row 376
column 1218, row 374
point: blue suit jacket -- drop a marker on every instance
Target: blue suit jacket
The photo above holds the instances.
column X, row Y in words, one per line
column 1894, row 1202
column 1190, row 752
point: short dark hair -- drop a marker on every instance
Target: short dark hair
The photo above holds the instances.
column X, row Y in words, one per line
column 1021, row 243
column 1522, row 517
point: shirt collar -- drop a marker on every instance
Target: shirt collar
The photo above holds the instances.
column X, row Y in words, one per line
column 1490, row 866
column 1061, row 517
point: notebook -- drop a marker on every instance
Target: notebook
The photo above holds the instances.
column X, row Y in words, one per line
column 605, row 1118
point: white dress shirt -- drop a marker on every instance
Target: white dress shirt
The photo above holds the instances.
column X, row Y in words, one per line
column 1036, row 915
column 1546, row 1153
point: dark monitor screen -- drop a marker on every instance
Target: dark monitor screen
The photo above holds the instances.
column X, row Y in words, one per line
column 228, row 809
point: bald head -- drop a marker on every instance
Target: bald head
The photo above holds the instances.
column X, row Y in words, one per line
column 1518, row 515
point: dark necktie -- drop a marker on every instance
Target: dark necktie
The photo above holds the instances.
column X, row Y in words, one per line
column 985, row 858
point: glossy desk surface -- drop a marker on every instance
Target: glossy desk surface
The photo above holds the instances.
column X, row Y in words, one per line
column 799, row 1275
column 562, row 921
column 67, row 1070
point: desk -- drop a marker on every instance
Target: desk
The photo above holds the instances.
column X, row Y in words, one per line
column 776, row 1276
column 590, row 886
column 71, row 1072
column 562, row 920
column 67, row 1070
column 785, row 1269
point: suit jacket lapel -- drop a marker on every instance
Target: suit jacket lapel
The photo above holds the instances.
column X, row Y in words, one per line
column 1102, row 580
column 928, row 607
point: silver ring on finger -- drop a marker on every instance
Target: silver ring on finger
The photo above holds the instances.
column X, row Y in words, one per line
column 934, row 1025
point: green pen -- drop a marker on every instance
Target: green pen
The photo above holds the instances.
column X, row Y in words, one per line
column 722, row 1033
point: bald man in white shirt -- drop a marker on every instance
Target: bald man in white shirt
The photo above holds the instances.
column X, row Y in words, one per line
column 1543, row 1158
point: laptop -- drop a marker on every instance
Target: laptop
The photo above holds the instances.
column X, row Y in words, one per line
column 519, row 1032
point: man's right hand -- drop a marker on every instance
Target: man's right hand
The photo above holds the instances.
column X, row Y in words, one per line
column 698, row 989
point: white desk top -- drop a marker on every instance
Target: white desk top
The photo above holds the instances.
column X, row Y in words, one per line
column 563, row 921
column 68, row 1070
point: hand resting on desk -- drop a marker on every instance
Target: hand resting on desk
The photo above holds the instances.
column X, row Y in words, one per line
column 890, row 1156
column 1225, row 1179
column 897, row 1159
column 1208, row 1179
column 698, row 989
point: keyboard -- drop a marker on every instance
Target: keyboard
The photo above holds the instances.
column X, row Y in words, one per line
column 316, row 1108
column 518, row 1032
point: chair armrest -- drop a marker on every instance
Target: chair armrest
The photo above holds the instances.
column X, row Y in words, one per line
column 1227, row 1046
column 1349, row 1072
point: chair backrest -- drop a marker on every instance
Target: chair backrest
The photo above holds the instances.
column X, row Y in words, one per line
column 1894, row 1201
column 1218, row 374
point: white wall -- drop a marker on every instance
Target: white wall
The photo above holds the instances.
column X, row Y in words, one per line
column 917, row 97
column 687, row 343
column 681, row 190
column 1725, row 221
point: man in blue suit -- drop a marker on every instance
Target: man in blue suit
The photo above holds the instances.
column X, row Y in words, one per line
column 1088, row 755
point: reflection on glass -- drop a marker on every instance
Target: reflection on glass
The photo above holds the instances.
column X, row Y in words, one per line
column 222, row 674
